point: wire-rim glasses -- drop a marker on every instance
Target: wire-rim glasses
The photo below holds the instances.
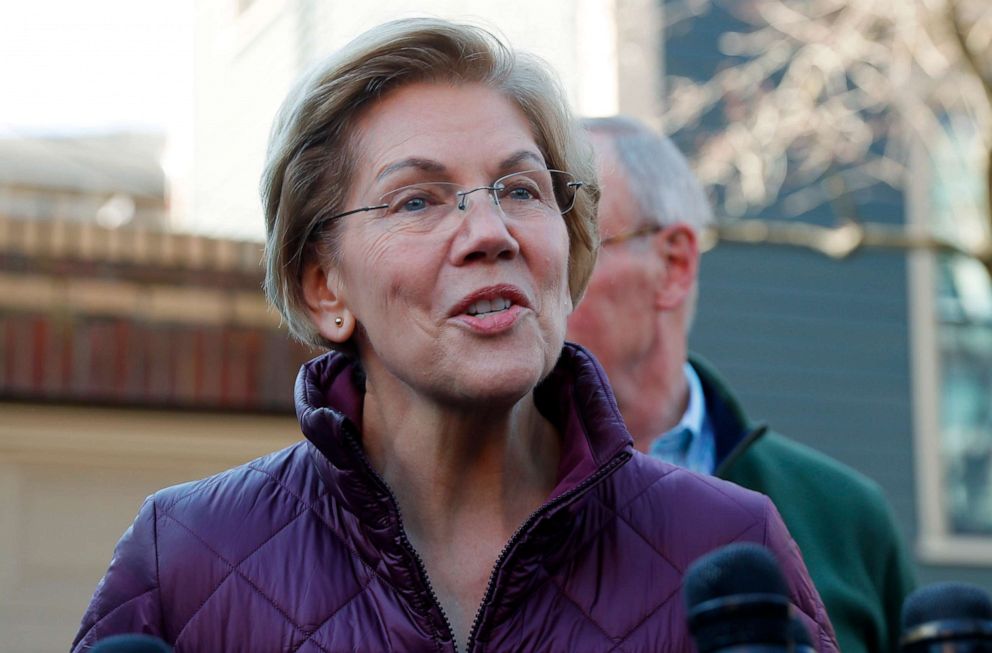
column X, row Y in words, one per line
column 646, row 230
column 524, row 195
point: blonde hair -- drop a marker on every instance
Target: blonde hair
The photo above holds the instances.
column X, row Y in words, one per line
column 311, row 153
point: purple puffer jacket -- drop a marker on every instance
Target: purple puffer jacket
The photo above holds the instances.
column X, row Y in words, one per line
column 304, row 550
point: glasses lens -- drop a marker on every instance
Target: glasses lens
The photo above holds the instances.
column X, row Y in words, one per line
column 536, row 192
column 530, row 194
column 566, row 188
column 422, row 205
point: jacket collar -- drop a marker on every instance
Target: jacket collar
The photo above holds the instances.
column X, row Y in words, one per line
column 575, row 397
column 733, row 429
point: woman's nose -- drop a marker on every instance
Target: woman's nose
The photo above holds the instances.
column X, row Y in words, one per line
column 482, row 233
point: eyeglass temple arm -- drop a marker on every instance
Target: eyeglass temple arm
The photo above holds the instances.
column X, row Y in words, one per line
column 630, row 235
column 320, row 223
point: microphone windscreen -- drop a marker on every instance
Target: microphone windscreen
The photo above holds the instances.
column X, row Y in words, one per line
column 942, row 601
column 800, row 636
column 131, row 643
column 741, row 568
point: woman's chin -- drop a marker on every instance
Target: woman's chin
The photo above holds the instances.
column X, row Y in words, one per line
column 498, row 387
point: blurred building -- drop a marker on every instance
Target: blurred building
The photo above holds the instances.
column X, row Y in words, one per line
column 130, row 358
column 108, row 179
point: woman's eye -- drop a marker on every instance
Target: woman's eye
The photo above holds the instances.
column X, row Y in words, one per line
column 410, row 203
column 414, row 204
column 522, row 192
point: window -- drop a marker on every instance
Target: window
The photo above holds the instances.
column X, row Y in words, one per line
column 952, row 297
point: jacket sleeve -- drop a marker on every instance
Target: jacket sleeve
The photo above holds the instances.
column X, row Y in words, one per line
column 127, row 599
column 804, row 594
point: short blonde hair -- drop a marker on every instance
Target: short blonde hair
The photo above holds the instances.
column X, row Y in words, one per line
column 311, row 153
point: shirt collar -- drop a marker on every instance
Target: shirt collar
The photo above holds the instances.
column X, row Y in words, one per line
column 690, row 443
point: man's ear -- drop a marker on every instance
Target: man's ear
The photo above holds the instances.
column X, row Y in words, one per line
column 324, row 296
column 678, row 250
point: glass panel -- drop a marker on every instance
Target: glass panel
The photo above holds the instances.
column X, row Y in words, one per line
column 966, row 426
column 964, row 307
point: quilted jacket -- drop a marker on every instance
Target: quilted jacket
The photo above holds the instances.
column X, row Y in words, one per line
column 304, row 550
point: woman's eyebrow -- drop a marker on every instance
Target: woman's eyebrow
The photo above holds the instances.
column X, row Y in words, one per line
column 427, row 165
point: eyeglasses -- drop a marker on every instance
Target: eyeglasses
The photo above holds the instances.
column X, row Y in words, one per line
column 630, row 235
column 523, row 196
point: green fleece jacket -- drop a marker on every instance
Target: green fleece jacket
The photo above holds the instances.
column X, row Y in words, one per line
column 839, row 518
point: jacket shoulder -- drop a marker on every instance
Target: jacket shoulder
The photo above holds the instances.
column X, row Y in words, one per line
column 796, row 473
column 658, row 497
column 684, row 515
column 215, row 522
column 285, row 469
column 129, row 598
column 846, row 530
column 236, row 534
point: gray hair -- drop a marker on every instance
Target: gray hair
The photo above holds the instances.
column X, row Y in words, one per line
column 665, row 188
column 312, row 150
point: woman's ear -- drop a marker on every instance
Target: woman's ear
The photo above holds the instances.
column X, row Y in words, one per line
column 324, row 296
column 678, row 250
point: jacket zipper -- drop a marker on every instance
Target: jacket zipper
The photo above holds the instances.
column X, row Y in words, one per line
column 594, row 478
column 590, row 480
column 745, row 443
column 407, row 545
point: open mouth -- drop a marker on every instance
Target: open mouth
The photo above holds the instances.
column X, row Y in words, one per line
column 486, row 307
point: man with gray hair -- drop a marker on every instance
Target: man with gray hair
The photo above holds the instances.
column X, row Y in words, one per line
column 636, row 317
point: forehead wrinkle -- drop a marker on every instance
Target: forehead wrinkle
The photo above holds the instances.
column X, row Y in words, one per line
column 427, row 165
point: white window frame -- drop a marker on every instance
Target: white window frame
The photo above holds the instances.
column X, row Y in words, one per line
column 936, row 542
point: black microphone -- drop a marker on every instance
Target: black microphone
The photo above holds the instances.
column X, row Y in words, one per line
column 947, row 618
column 738, row 602
column 132, row 643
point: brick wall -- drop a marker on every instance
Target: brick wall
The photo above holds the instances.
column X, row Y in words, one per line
column 132, row 317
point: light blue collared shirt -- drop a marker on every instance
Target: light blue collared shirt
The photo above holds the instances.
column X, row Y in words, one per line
column 692, row 443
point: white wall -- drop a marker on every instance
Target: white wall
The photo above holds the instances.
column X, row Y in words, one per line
column 73, row 478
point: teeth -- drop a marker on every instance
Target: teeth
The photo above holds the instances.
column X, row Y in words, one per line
column 489, row 306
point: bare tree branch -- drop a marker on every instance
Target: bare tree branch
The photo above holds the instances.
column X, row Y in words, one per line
column 831, row 96
column 970, row 57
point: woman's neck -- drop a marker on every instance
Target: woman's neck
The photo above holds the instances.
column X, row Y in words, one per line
column 465, row 480
column 445, row 461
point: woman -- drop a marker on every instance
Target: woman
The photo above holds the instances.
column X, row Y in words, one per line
column 467, row 483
